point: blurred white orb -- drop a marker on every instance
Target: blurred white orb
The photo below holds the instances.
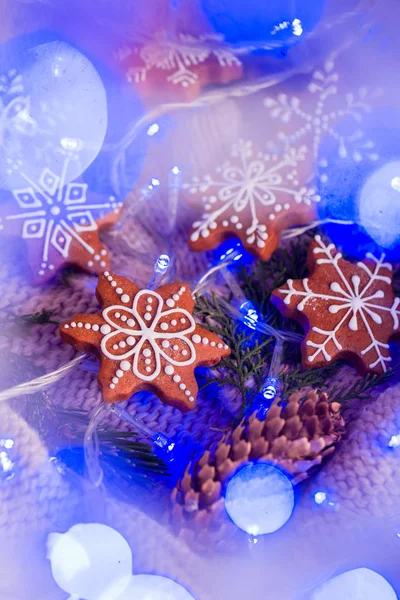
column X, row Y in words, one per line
column 358, row 584
column 379, row 205
column 59, row 113
column 90, row 561
column 259, row 499
column 154, row 587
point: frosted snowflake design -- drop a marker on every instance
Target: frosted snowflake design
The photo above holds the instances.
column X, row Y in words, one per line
column 245, row 192
column 359, row 299
column 328, row 108
column 57, row 216
column 146, row 337
column 147, row 334
column 178, row 56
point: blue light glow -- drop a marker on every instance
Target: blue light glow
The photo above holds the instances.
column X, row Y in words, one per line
column 251, row 316
column 281, row 22
column 175, row 170
column 270, row 388
column 259, row 499
column 297, row 27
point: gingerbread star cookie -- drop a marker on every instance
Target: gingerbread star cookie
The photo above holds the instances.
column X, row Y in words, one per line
column 146, row 340
column 166, row 69
column 348, row 310
column 59, row 224
column 253, row 195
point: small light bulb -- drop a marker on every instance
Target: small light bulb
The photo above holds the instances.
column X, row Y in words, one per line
column 175, row 170
column 162, row 263
column 297, row 27
column 394, row 441
column 153, row 129
column 319, row 497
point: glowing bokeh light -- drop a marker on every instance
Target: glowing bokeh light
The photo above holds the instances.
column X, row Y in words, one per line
column 357, row 584
column 379, row 205
column 394, row 441
column 319, row 497
column 61, row 113
column 90, row 561
column 259, row 499
column 154, row 587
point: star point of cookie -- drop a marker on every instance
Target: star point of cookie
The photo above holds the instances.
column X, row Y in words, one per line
column 173, row 68
column 349, row 310
column 146, row 340
column 253, row 195
column 59, row 224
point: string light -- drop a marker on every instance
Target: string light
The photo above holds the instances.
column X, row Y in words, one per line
column 259, row 499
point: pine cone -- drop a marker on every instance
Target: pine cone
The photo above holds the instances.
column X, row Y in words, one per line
column 296, row 436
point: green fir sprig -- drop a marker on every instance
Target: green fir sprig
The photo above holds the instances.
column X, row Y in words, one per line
column 247, row 360
column 121, row 456
column 361, row 389
column 251, row 354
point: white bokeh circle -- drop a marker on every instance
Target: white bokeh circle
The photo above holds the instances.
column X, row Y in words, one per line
column 60, row 110
column 379, row 205
column 259, row 499
column 154, row 587
column 90, row 561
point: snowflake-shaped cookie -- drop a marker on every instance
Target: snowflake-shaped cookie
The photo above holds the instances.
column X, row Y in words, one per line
column 349, row 310
column 146, row 340
column 59, row 223
column 253, row 196
column 316, row 114
column 185, row 62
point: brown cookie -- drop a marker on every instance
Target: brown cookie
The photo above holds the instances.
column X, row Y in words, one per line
column 348, row 310
column 253, row 195
column 59, row 224
column 173, row 69
column 146, row 340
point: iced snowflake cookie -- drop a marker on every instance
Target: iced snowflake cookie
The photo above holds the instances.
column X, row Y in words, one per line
column 254, row 195
column 146, row 340
column 166, row 69
column 348, row 309
column 59, row 224
column 328, row 105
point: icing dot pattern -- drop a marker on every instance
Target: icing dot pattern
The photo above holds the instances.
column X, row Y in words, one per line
column 161, row 345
